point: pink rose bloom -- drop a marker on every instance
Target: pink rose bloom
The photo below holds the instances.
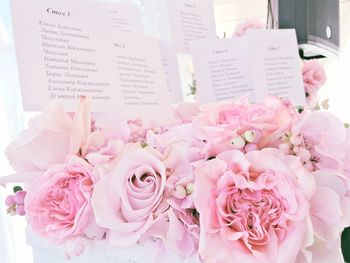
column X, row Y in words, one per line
column 325, row 137
column 177, row 232
column 252, row 207
column 180, row 186
column 58, row 203
column 129, row 200
column 243, row 27
column 47, row 138
column 219, row 125
column 314, row 76
column 104, row 144
column 177, row 138
column 329, row 214
column 330, row 205
column 186, row 111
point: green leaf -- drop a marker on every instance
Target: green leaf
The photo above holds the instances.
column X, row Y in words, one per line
column 17, row 188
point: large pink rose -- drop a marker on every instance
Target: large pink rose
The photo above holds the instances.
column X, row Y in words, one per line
column 129, row 200
column 58, row 203
column 252, row 207
column 47, row 138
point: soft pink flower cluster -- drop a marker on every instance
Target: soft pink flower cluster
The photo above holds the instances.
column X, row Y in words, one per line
column 228, row 182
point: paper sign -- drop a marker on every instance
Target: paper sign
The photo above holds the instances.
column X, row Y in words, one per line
column 66, row 49
column 124, row 17
column 264, row 62
column 171, row 71
column 140, row 78
column 277, row 64
column 190, row 21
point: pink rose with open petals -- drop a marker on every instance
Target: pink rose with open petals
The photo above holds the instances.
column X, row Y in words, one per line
column 129, row 199
column 314, row 76
column 251, row 207
column 58, row 203
column 47, row 138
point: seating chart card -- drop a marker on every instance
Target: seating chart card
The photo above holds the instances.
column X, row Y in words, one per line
column 140, row 77
column 62, row 53
column 124, row 17
column 171, row 71
column 264, row 62
column 190, row 21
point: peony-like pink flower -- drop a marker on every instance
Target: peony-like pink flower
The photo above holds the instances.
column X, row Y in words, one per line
column 129, row 200
column 314, row 76
column 243, row 27
column 58, row 203
column 47, row 138
column 252, row 207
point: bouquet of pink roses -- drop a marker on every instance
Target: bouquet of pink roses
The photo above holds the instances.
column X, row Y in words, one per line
column 229, row 182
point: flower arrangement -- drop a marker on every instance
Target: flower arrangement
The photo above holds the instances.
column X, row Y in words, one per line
column 254, row 182
column 226, row 182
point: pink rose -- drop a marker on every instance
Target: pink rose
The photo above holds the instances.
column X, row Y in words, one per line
column 178, row 232
column 330, row 205
column 325, row 137
column 129, row 200
column 58, row 203
column 184, row 112
column 243, row 27
column 252, row 207
column 47, row 138
column 223, row 126
column 104, row 144
column 314, row 76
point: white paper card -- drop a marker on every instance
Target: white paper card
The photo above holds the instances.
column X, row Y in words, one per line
column 261, row 63
column 69, row 48
column 277, row 64
column 190, row 21
column 140, row 78
column 171, row 72
column 124, row 17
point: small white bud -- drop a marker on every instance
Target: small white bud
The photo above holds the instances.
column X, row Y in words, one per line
column 190, row 188
column 249, row 136
column 296, row 139
column 238, row 142
column 179, row 192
